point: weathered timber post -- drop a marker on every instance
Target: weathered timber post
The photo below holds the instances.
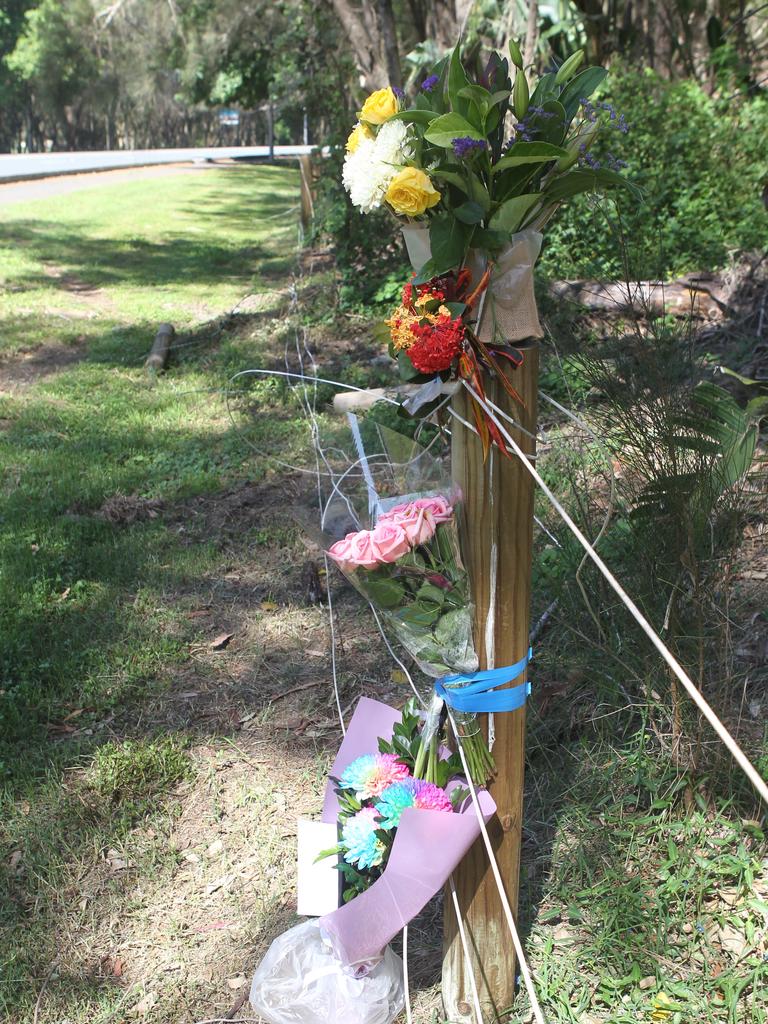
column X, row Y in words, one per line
column 497, row 533
column 161, row 347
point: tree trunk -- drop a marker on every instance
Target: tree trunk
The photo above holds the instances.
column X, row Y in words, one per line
column 359, row 24
column 390, row 53
column 531, row 33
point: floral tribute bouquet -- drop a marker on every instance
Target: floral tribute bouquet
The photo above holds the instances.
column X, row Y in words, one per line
column 340, row 967
column 375, row 789
column 475, row 166
column 411, row 833
column 409, row 567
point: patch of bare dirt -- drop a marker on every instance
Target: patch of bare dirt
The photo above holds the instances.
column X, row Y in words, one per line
column 74, row 285
column 31, row 365
column 125, row 509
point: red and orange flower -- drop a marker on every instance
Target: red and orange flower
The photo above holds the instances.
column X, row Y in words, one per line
column 424, row 327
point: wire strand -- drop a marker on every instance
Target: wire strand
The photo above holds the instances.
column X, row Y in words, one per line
column 736, row 752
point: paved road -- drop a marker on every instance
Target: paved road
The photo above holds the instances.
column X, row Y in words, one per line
column 64, row 184
column 19, row 166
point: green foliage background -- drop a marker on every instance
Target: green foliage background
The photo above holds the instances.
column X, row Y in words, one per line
column 700, row 160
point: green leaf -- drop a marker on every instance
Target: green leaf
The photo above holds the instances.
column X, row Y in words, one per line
column 429, row 592
column 545, row 89
column 511, row 214
column 478, row 193
column 384, row 592
column 417, row 617
column 580, row 88
column 455, row 308
column 491, row 241
column 457, row 80
column 453, row 177
column 550, row 129
column 748, row 381
column 415, row 116
column 332, row 851
column 757, row 407
column 447, row 127
column 469, row 212
column 582, row 180
column 478, row 95
column 449, row 239
column 529, row 153
column 407, row 370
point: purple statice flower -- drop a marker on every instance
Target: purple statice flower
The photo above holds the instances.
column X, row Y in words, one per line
column 615, row 119
column 465, row 146
column 539, row 112
column 608, row 108
column 614, row 163
column 590, row 111
column 398, row 92
column 587, row 159
column 523, row 132
column 429, row 83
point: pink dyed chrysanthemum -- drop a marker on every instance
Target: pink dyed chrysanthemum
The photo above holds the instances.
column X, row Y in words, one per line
column 368, row 776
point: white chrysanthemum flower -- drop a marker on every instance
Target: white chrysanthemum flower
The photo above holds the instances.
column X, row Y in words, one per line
column 392, row 143
column 361, row 177
column 370, row 169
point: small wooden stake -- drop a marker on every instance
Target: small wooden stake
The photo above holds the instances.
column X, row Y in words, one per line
column 158, row 354
column 497, row 536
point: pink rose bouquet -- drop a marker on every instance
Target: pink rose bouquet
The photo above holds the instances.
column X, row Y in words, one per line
column 409, row 567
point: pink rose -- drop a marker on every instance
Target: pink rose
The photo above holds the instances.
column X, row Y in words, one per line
column 418, row 524
column 441, row 510
column 389, row 542
column 355, row 551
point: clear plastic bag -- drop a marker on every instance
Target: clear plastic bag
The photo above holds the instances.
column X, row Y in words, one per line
column 300, row 981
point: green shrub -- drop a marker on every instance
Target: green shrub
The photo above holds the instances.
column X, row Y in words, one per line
column 701, row 163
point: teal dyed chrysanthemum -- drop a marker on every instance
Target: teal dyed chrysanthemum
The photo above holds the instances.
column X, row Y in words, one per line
column 368, row 776
column 359, row 842
column 410, row 793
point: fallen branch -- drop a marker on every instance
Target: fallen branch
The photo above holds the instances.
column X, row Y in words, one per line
column 297, row 689
column 158, row 354
column 700, row 294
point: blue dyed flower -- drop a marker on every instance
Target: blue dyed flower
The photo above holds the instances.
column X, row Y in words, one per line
column 429, row 83
column 359, row 842
column 424, row 796
column 464, row 145
column 370, row 774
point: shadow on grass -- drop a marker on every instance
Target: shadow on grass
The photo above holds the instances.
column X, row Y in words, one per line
column 102, row 262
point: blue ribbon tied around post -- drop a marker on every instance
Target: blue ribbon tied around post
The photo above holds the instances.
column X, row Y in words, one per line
column 476, row 692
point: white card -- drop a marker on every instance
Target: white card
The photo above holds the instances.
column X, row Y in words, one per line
column 319, row 884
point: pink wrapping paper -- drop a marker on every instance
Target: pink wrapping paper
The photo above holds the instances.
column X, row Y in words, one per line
column 428, row 846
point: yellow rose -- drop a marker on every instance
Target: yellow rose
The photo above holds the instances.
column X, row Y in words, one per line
column 411, row 192
column 356, row 136
column 379, row 106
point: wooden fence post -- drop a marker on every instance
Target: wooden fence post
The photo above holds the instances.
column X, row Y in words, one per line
column 497, row 534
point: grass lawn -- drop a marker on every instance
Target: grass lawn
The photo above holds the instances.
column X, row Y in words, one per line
column 165, row 702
